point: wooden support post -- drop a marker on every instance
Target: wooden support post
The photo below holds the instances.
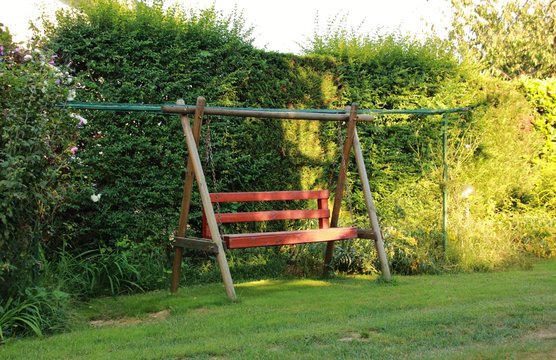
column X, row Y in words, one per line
column 207, row 206
column 379, row 244
column 340, row 185
column 186, row 197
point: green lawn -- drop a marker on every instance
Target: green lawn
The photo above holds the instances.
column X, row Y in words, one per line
column 508, row 314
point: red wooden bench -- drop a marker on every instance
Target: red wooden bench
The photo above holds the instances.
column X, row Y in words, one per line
column 322, row 213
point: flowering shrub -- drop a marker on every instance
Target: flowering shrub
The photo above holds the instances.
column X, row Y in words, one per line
column 37, row 159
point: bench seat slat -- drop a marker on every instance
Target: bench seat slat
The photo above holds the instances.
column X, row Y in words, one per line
column 272, row 215
column 236, row 241
column 268, row 196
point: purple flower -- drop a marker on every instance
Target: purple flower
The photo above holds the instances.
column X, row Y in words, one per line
column 57, row 81
column 73, row 150
column 1, row 50
column 82, row 120
column 51, row 62
column 16, row 50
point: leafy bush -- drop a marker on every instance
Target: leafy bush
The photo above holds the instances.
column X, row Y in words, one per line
column 38, row 169
column 507, row 38
column 37, row 157
column 542, row 94
column 136, row 161
column 491, row 150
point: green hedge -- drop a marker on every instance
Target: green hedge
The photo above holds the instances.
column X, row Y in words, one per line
column 142, row 53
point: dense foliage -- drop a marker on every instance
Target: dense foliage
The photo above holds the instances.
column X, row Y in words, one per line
column 136, row 160
column 488, row 182
column 508, row 38
column 542, row 94
column 36, row 159
column 37, row 166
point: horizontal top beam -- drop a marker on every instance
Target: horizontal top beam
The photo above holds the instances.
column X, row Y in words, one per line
column 277, row 114
column 309, row 114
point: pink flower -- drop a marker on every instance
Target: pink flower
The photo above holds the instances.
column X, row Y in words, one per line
column 73, row 150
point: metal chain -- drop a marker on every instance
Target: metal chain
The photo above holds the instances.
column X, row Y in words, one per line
column 347, row 187
column 210, row 161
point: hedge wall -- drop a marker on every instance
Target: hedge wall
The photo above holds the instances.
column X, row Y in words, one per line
column 143, row 53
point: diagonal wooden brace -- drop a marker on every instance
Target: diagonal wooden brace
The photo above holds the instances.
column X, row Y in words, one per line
column 186, row 197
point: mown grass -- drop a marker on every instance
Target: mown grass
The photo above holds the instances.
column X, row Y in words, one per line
column 508, row 314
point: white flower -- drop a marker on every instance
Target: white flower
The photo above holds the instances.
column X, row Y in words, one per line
column 27, row 58
column 71, row 95
column 96, row 198
column 467, row 191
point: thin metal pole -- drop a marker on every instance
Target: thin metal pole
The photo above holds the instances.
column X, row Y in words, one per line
column 445, row 182
column 291, row 115
column 157, row 108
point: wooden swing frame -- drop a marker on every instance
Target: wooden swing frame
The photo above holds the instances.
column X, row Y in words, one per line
column 195, row 172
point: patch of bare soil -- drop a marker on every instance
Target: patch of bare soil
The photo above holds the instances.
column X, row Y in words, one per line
column 543, row 334
column 353, row 336
column 157, row 316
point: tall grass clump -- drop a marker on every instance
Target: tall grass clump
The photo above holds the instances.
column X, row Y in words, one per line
column 123, row 268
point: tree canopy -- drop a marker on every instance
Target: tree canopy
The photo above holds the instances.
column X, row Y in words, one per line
column 509, row 38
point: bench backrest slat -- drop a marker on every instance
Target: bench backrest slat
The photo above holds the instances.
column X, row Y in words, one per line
column 268, row 196
column 322, row 213
column 272, row 215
